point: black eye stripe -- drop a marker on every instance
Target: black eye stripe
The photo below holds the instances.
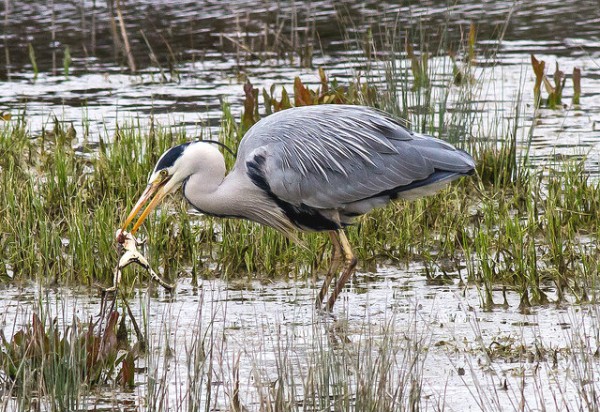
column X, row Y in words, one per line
column 170, row 156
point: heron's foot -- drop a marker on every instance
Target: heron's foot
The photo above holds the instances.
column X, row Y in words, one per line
column 325, row 314
column 341, row 247
column 320, row 296
column 336, row 260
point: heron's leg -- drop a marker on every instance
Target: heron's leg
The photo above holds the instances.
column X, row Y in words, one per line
column 349, row 265
column 336, row 259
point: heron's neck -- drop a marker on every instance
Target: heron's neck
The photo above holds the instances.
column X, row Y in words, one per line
column 215, row 194
column 235, row 195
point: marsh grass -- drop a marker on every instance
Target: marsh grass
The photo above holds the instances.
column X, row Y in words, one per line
column 61, row 207
column 510, row 226
column 514, row 227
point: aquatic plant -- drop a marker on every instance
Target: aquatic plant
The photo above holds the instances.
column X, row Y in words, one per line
column 576, row 85
column 539, row 67
column 125, row 37
column 47, row 358
column 555, row 91
column 67, row 61
column 33, row 61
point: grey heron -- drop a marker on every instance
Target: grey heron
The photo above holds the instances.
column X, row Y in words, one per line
column 311, row 168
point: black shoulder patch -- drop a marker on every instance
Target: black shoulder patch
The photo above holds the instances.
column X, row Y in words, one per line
column 256, row 174
column 170, row 156
column 303, row 216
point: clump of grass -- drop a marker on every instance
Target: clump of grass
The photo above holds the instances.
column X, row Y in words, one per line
column 60, row 209
column 59, row 362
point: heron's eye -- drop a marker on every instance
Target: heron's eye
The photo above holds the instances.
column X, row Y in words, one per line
column 164, row 173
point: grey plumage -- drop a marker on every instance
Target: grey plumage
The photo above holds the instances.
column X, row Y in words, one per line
column 344, row 160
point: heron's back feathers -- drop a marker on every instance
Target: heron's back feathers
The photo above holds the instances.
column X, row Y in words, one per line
column 326, row 164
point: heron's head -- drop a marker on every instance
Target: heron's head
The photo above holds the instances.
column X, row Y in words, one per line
column 170, row 171
column 175, row 166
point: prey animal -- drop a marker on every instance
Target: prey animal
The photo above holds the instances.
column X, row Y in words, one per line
column 131, row 255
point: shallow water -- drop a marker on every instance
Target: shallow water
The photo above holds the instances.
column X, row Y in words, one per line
column 267, row 326
column 464, row 358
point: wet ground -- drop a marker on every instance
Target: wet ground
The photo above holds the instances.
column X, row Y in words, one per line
column 467, row 359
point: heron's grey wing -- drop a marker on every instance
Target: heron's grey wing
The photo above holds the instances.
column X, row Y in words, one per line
column 328, row 157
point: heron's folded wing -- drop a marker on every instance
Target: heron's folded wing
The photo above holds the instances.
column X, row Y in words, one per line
column 345, row 155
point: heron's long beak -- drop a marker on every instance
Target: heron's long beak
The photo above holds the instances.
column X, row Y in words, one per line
column 156, row 189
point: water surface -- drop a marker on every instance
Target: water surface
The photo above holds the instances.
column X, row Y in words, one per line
column 190, row 56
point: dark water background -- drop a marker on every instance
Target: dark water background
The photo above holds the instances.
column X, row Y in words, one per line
column 194, row 30
column 190, row 56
